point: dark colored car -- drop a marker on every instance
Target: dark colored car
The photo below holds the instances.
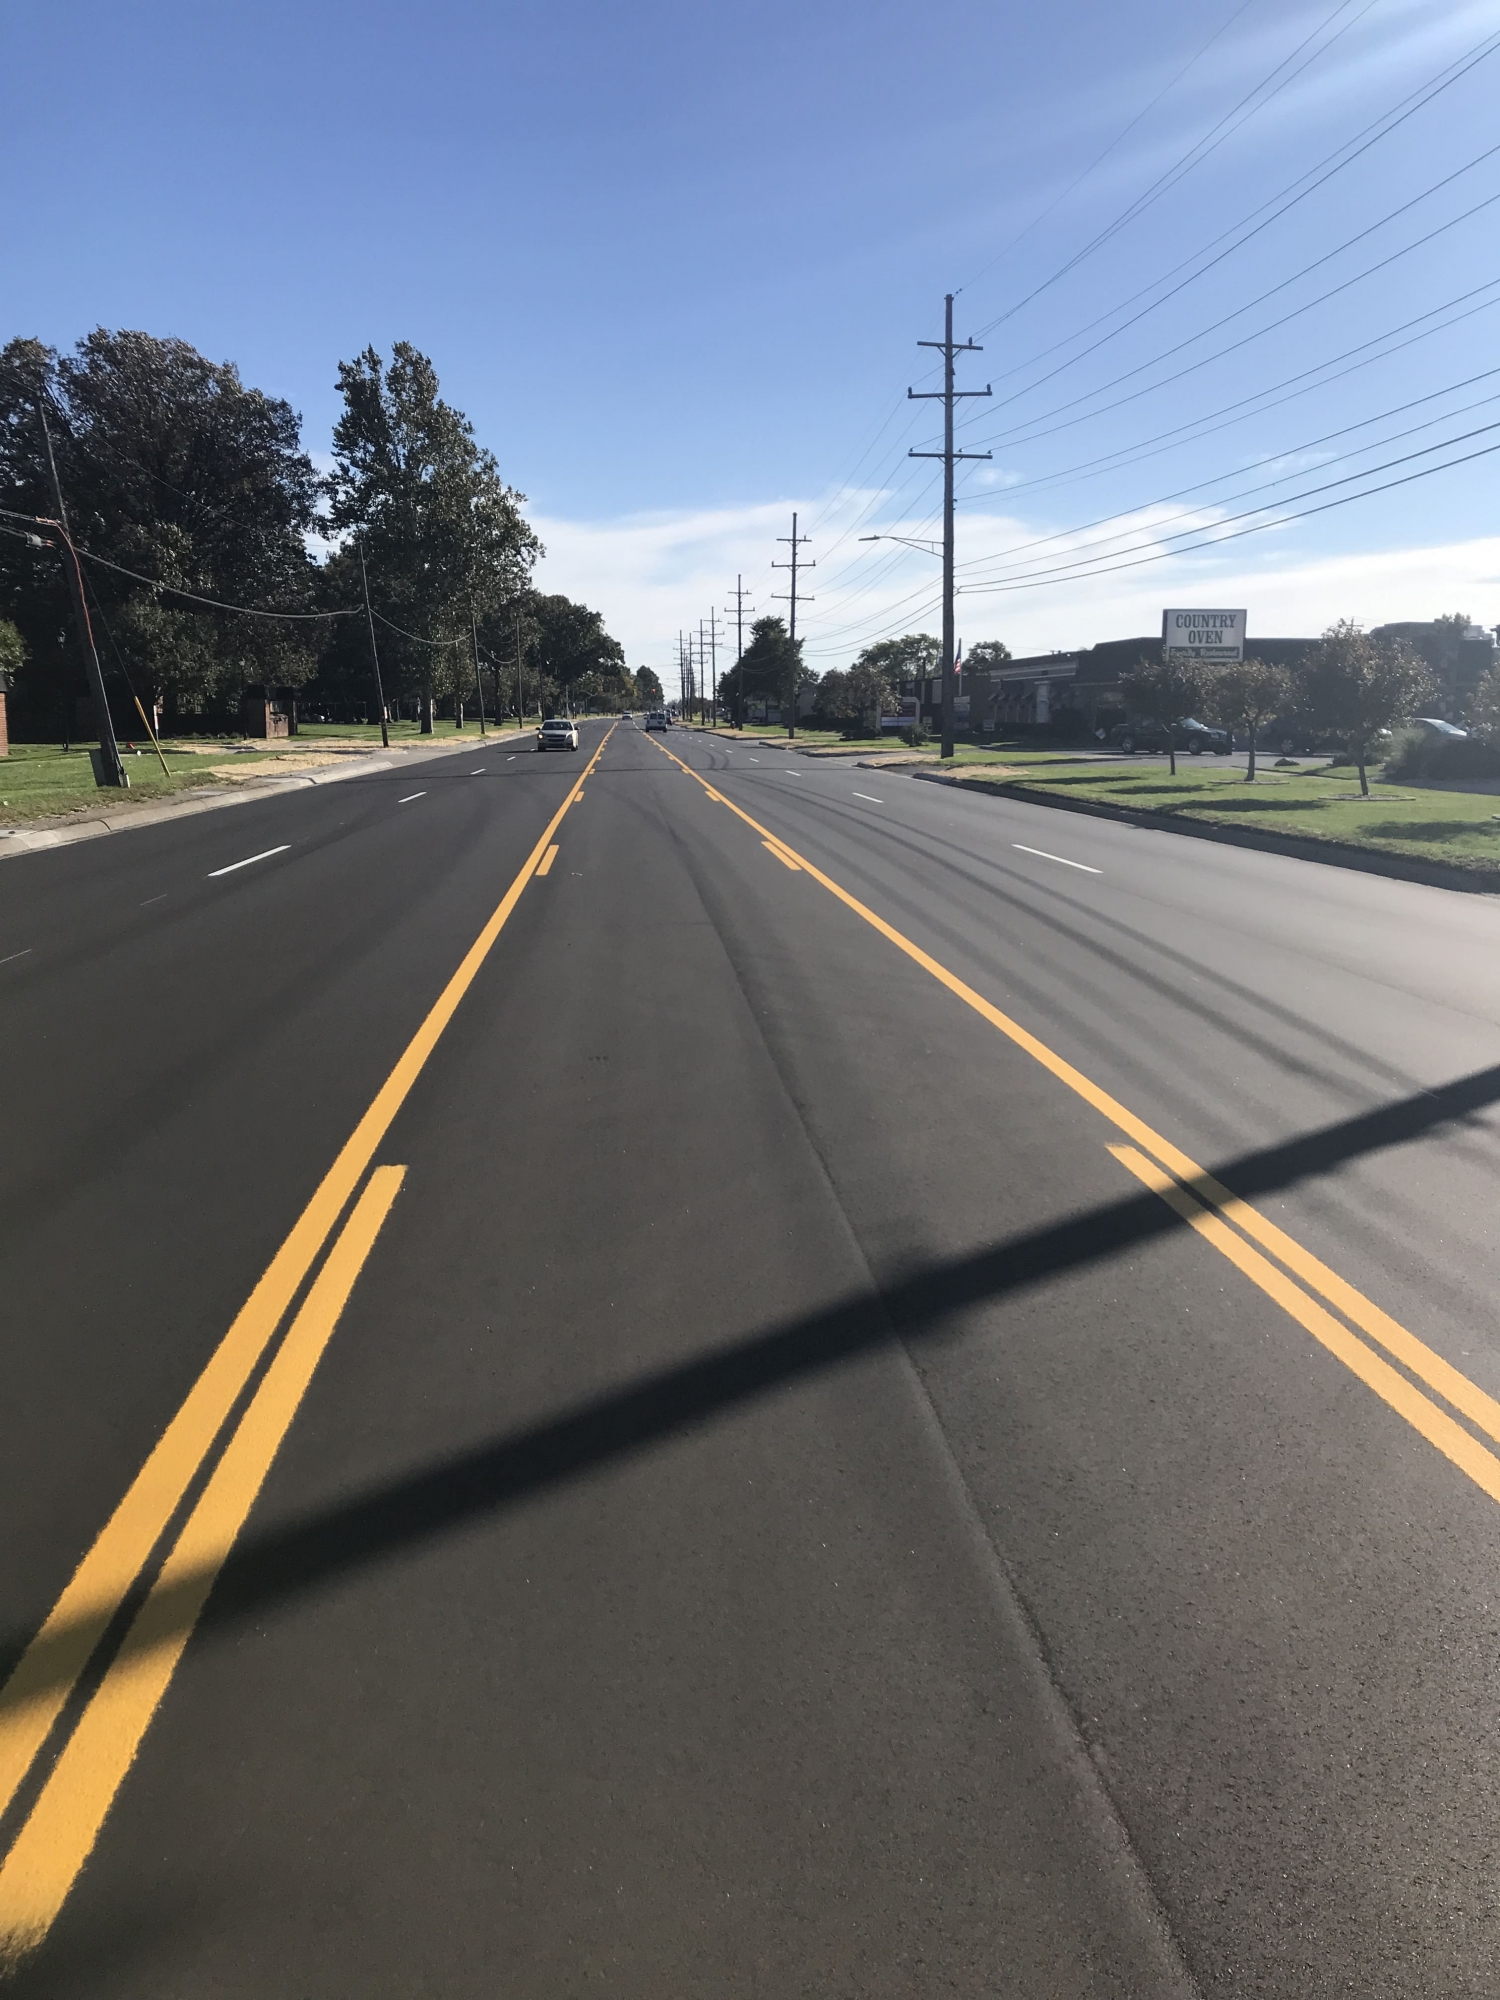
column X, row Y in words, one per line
column 1191, row 735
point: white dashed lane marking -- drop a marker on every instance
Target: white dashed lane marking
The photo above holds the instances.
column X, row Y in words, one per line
column 1043, row 855
column 249, row 860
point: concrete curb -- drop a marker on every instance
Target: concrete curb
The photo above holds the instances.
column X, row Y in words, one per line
column 19, row 840
column 1332, row 853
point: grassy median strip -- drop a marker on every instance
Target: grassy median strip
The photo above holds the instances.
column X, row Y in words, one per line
column 1461, row 829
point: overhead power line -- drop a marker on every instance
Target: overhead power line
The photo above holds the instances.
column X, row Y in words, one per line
column 1295, row 192
column 1118, row 140
column 1277, row 518
column 1301, row 384
column 1218, row 479
column 1026, row 433
column 1282, row 285
column 1194, row 157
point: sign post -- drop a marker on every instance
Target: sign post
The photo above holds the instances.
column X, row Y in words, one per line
column 1215, row 636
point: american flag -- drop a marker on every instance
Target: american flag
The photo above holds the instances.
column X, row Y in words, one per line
column 958, row 665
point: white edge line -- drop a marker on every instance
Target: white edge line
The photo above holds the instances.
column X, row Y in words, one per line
column 868, row 800
column 409, row 797
column 1022, row 848
column 249, row 858
column 16, row 954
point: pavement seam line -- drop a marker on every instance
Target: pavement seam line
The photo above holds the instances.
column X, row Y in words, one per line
column 1423, row 1361
column 62, row 1827
column 39, row 1686
column 1439, row 1429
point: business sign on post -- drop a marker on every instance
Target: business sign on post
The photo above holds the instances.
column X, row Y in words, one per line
column 1209, row 635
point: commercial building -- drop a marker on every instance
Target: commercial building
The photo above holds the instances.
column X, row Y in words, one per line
column 1077, row 694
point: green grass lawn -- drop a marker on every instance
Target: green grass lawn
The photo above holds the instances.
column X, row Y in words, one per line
column 990, row 753
column 1460, row 828
column 44, row 781
column 834, row 742
column 39, row 780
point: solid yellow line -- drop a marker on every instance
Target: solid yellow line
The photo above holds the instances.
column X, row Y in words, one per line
column 1415, row 1354
column 544, row 866
column 781, row 855
column 33, row 1697
column 1439, row 1429
column 64, row 1823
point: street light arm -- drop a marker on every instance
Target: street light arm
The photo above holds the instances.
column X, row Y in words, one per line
column 927, row 548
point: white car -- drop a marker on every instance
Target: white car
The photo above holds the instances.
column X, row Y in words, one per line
column 657, row 718
column 558, row 732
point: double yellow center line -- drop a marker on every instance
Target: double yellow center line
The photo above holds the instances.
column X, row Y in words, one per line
column 61, row 1828
column 1229, row 1224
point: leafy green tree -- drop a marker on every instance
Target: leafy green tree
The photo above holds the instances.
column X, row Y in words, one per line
column 835, row 701
column 444, row 537
column 1246, row 695
column 888, row 662
column 12, row 649
column 649, row 689
column 771, row 668
column 1484, row 708
column 171, row 469
column 986, row 653
column 1167, row 690
column 12, row 653
column 1354, row 687
column 571, row 655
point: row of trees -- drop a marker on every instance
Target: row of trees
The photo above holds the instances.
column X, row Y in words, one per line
column 772, row 667
column 1352, row 688
column 191, row 494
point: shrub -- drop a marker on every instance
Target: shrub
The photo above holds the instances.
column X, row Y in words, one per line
column 1417, row 758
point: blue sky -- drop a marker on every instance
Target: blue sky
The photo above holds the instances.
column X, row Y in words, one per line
column 674, row 261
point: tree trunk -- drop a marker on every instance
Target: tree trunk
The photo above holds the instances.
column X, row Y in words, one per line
column 458, row 711
column 1364, row 783
column 426, row 708
column 1250, row 774
column 1172, row 753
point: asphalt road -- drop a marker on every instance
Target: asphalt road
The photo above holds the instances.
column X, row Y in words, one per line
column 626, row 1430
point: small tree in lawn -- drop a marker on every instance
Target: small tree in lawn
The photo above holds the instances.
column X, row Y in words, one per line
column 1167, row 690
column 1246, row 695
column 1354, row 686
column 1484, row 709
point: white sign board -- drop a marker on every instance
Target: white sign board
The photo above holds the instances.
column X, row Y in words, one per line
column 1211, row 635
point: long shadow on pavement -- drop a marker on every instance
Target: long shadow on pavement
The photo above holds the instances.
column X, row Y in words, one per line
column 276, row 1565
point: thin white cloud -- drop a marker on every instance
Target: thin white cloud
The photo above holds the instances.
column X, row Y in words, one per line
column 653, row 576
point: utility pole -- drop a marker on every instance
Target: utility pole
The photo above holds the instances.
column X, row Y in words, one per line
column 795, row 539
column 740, row 608
column 385, row 737
column 948, row 396
column 713, row 667
column 110, row 771
column 478, row 679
